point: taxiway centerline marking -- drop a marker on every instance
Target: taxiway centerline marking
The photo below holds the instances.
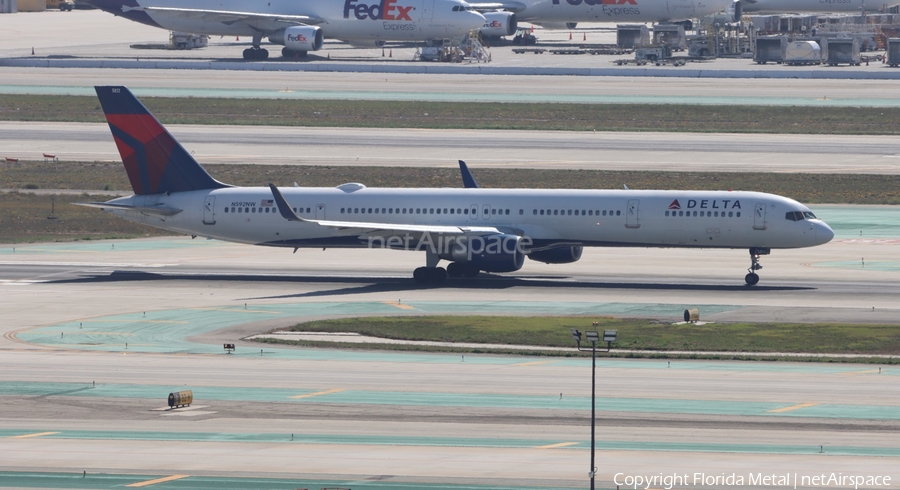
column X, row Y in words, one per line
column 794, row 407
column 158, row 480
column 318, row 393
column 554, row 446
column 37, row 434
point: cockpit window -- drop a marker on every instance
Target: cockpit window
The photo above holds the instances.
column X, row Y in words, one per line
column 809, row 215
column 462, row 8
column 794, row 216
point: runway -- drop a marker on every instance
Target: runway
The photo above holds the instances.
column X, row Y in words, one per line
column 480, row 148
column 79, row 399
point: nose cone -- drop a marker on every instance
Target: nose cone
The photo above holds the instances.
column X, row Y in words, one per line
column 824, row 233
column 474, row 20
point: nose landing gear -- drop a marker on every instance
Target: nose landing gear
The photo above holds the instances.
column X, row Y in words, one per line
column 752, row 277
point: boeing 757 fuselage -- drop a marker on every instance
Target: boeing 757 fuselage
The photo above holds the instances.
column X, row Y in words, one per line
column 472, row 228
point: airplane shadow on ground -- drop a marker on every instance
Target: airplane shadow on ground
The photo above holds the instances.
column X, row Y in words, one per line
column 361, row 285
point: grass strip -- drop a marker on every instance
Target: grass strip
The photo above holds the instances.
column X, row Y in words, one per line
column 472, row 115
column 741, row 339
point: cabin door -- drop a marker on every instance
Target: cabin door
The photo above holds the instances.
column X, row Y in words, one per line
column 209, row 210
column 759, row 216
column 633, row 214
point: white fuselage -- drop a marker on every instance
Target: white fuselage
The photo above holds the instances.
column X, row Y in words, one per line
column 716, row 219
column 797, row 6
column 396, row 20
column 618, row 10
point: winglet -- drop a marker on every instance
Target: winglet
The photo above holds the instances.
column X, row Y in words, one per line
column 283, row 207
column 468, row 179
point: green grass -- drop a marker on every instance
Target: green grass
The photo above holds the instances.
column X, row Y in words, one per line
column 473, row 115
column 741, row 340
column 24, row 219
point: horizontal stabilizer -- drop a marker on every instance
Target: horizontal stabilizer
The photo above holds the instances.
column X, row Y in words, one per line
column 157, row 210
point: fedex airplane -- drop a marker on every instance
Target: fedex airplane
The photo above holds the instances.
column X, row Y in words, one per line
column 797, row 6
column 472, row 228
column 301, row 25
column 559, row 13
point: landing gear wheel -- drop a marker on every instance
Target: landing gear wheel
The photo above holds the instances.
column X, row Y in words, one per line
column 437, row 275
column 751, row 278
column 454, row 270
column 256, row 54
column 420, row 275
column 430, row 275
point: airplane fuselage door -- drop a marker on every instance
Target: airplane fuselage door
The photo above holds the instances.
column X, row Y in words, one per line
column 320, row 211
column 473, row 211
column 759, row 216
column 633, row 214
column 209, row 210
column 427, row 10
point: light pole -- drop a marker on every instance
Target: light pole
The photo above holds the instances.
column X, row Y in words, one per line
column 609, row 336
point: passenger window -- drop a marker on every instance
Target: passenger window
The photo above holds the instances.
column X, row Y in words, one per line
column 667, row 213
column 226, row 210
column 604, row 212
column 619, row 213
column 507, row 212
column 555, row 212
column 521, row 212
column 730, row 214
column 738, row 214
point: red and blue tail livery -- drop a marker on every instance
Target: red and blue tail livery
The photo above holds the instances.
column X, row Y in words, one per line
column 155, row 162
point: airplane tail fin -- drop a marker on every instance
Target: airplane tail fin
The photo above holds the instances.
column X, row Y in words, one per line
column 155, row 162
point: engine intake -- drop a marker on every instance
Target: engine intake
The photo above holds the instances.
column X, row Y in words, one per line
column 498, row 24
column 559, row 255
column 301, row 38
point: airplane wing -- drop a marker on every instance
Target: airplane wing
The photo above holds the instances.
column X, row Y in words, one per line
column 288, row 213
column 487, row 7
column 259, row 21
column 158, row 210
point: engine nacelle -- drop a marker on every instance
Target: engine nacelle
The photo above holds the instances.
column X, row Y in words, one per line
column 300, row 38
column 498, row 24
column 560, row 255
column 491, row 253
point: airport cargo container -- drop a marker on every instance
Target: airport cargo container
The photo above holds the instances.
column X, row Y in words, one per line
column 770, row 49
column 843, row 50
column 803, row 53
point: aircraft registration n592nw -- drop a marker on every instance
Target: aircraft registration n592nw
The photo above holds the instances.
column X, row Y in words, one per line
column 474, row 229
column 295, row 24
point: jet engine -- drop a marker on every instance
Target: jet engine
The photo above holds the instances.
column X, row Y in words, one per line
column 559, row 255
column 498, row 24
column 490, row 253
column 300, row 39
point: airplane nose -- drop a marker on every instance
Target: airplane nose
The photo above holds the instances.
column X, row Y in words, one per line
column 824, row 233
column 478, row 20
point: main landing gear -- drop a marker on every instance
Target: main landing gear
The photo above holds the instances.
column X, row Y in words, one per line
column 256, row 53
column 437, row 275
column 752, row 277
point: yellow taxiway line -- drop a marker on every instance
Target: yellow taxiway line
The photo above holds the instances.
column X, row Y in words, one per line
column 37, row 434
column 794, row 407
column 158, row 480
column 554, row 446
column 318, row 393
column 399, row 305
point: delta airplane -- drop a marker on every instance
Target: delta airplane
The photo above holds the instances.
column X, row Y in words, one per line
column 295, row 24
column 472, row 228
column 559, row 13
